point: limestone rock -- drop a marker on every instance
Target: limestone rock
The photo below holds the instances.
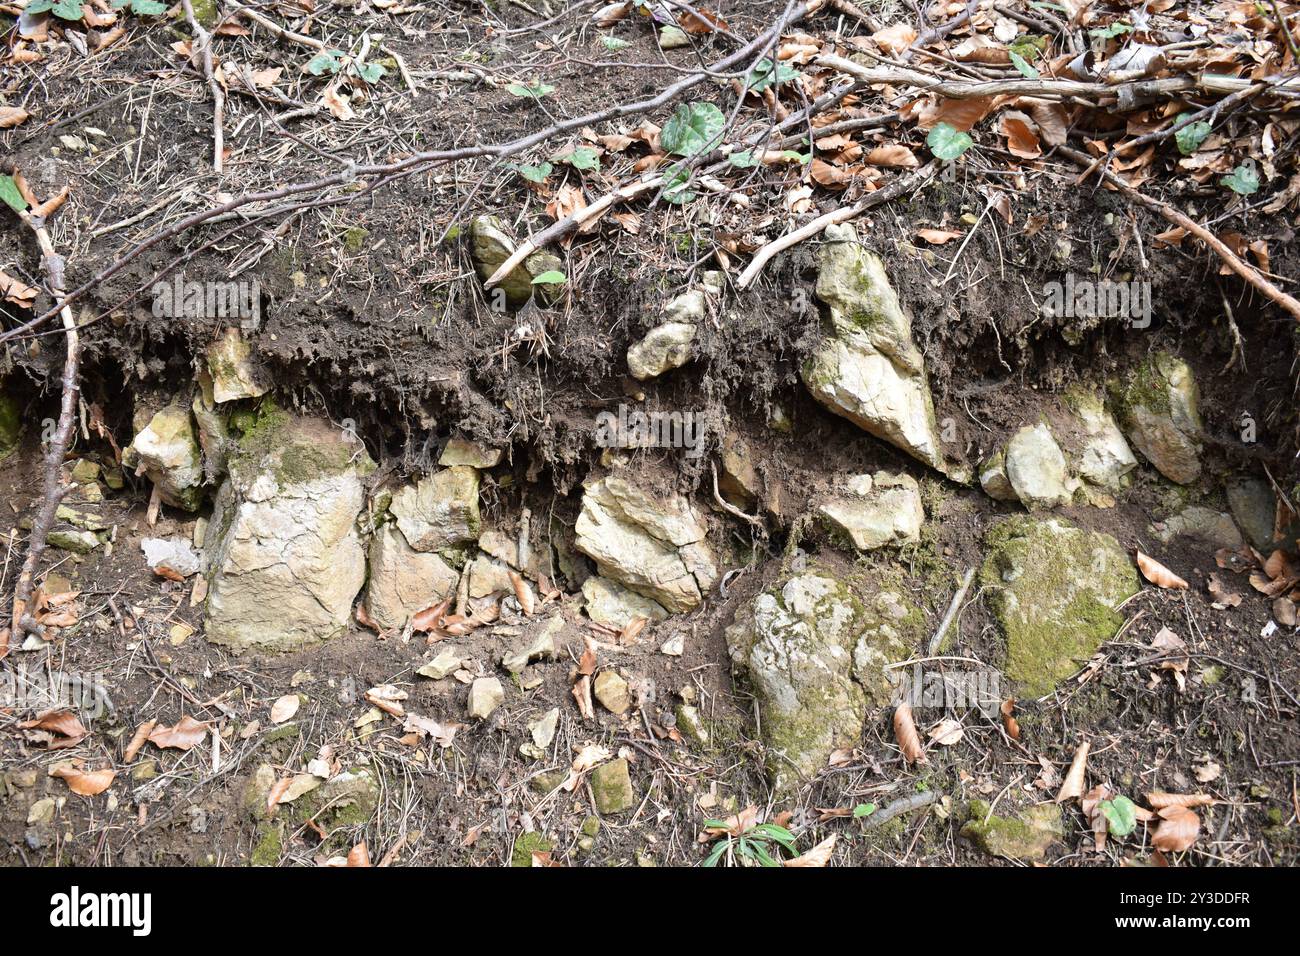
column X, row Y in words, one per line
column 541, row 645
column 1036, row 468
column 490, row 246
column 654, row 546
column 691, row 725
column 168, row 453
column 1254, row 505
column 487, row 577
column 447, row 661
column 814, row 654
column 611, row 784
column 613, row 605
column 868, row 369
column 993, row 477
column 170, row 557
column 1158, row 408
column 1103, row 457
column 234, row 373
column 737, row 480
column 471, row 454
column 285, row 559
column 1214, row 528
column 439, row 511
column 664, row 348
column 879, row 509
column 485, row 695
column 1023, row 837
column 403, row 581
column 1053, row 589
column 612, row 692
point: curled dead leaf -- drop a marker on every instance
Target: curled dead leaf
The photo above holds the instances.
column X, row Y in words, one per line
column 1161, row 800
column 820, row 855
column 1177, row 830
column 186, row 735
column 1158, row 574
column 909, row 741
column 1074, row 779
column 937, row 237
column 1009, row 722
column 86, row 783
column 284, row 708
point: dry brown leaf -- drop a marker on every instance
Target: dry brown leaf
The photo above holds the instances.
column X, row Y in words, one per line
column 829, row 176
column 1177, row 831
column 909, row 741
column 1051, row 118
column 1221, row 594
column 820, row 855
column 138, row 740
column 892, row 154
column 734, row 825
column 186, row 735
column 523, row 593
column 442, row 734
column 284, row 708
column 1022, row 140
column 430, row 618
column 937, row 237
column 86, row 783
column 896, row 38
column 947, row 732
column 610, row 14
column 1073, row 785
column 1284, row 612
column 16, row 291
column 388, row 699
column 1161, row 800
column 64, row 723
column 1158, row 574
column 1009, row 722
column 11, row 116
column 634, row 628
column 582, row 695
column 960, row 114
column 337, row 104
column 359, row 855
column 701, row 22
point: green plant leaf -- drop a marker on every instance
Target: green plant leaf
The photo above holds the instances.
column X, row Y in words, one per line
column 614, row 44
column 719, row 848
column 763, row 856
column 10, row 194
column 1110, row 31
column 370, row 72
column 551, row 277
column 1244, row 180
column 1191, row 136
column 1120, row 814
column 1021, row 64
column 693, row 128
column 326, row 61
column 743, row 160
column 148, row 8
column 864, row 810
column 765, row 75
column 676, row 179
column 67, row 9
column 947, row 143
column 582, row 158
column 43, row 6
column 535, row 174
column 535, row 90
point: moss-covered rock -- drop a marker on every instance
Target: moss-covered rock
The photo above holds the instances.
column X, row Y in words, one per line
column 526, row 844
column 1054, row 589
column 1157, row 404
column 1023, row 837
column 611, row 784
column 815, row 654
column 167, row 450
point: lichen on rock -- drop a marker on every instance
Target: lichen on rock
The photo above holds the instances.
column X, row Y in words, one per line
column 1158, row 407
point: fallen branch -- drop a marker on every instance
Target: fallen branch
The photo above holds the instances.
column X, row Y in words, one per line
column 204, row 39
column 898, row 187
column 914, row 801
column 936, row 642
column 53, row 264
column 1230, row 258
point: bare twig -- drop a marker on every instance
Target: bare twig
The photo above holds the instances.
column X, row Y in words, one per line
column 204, row 50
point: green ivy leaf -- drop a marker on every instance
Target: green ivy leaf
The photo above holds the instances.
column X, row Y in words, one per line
column 1191, row 136
column 583, row 158
column 535, row 90
column 1120, row 814
column 1021, row 64
column 10, row 194
column 552, row 277
column 744, row 159
column 326, row 61
column 1244, row 180
column 614, row 44
column 535, row 174
column 766, row 75
column 148, row 8
column 675, row 181
column 67, row 9
column 947, row 143
column 370, row 72
column 1112, row 30
column 693, row 128
column 44, row 6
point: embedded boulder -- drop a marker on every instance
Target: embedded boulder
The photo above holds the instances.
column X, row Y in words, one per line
column 1025, row 836
column 653, row 545
column 1054, row 590
column 234, row 373
column 868, row 369
column 490, row 247
column 167, row 451
column 663, row 349
column 1035, row 468
column 609, row 603
column 877, row 510
column 1158, row 407
column 285, row 559
column 403, row 581
column 816, row 655
column 440, row 510
column 1101, row 456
